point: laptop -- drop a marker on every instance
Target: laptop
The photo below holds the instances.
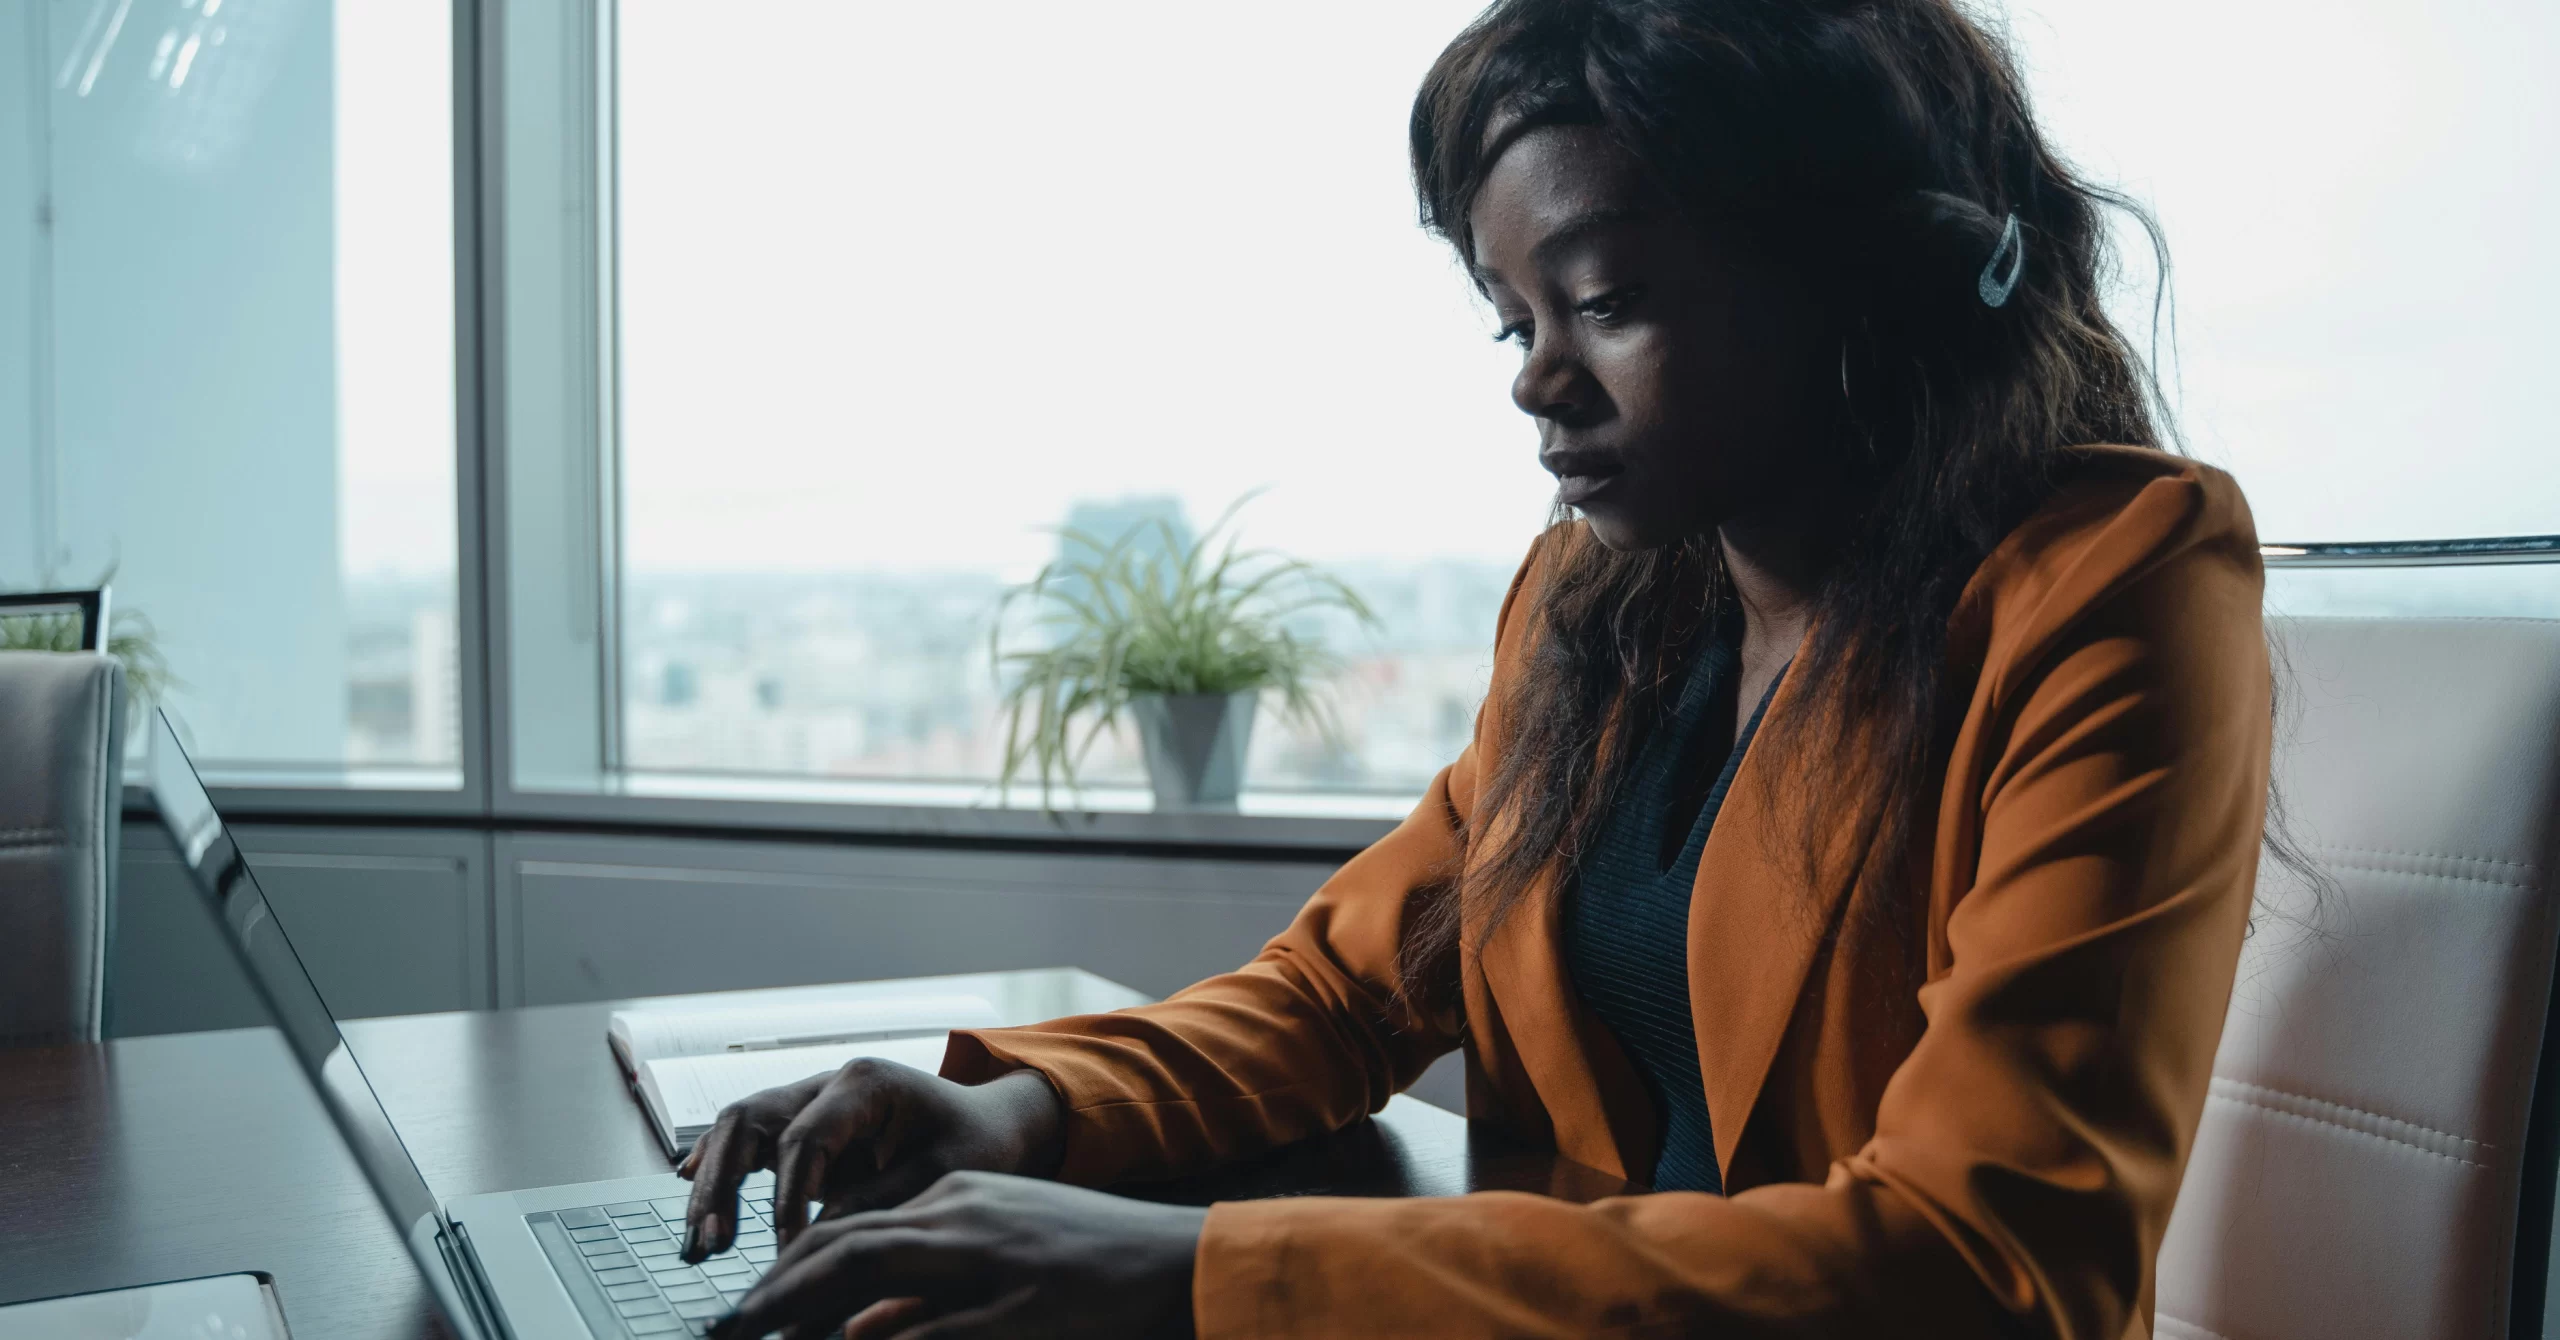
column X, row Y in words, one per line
column 597, row 1259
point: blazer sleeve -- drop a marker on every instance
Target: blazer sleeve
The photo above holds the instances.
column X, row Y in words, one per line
column 2026, row 1153
column 1307, row 1038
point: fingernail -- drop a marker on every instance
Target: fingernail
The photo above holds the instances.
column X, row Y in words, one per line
column 692, row 1252
column 725, row 1327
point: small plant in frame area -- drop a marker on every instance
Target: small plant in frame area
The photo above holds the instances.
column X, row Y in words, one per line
column 1184, row 636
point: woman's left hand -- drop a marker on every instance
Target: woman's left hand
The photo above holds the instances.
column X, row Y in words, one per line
column 984, row 1254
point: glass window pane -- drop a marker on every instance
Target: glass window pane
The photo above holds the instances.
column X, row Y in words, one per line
column 881, row 328
column 2357, row 200
column 878, row 331
column 2448, row 591
column 242, row 338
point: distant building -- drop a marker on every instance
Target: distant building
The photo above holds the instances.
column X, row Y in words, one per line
column 435, row 694
column 678, row 686
column 885, row 675
column 1153, row 524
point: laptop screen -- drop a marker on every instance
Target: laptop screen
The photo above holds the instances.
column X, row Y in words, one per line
column 215, row 864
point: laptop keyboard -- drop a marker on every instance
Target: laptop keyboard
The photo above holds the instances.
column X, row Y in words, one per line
column 634, row 1281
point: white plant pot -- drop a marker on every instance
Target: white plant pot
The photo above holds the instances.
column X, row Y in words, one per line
column 1195, row 744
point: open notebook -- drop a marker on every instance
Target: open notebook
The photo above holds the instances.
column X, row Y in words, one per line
column 687, row 1063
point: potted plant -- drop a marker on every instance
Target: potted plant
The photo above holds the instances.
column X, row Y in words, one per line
column 1182, row 637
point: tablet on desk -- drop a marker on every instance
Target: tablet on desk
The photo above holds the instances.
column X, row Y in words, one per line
column 219, row 1307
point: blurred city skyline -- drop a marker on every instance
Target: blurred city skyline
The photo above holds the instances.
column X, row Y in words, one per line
column 886, row 675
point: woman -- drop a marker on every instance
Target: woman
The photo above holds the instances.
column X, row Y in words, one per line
column 1858, row 838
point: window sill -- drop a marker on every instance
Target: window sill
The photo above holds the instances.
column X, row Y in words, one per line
column 1278, row 824
column 1332, row 824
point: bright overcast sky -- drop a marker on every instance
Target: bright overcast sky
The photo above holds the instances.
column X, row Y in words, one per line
column 902, row 281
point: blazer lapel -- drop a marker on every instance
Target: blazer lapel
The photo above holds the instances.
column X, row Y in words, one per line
column 1754, row 932
column 1602, row 1115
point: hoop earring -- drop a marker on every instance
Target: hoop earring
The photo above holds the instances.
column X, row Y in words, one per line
column 1992, row 286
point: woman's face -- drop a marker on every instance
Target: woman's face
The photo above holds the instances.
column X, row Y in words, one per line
column 1672, row 373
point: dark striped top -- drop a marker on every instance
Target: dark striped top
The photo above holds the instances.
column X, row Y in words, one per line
column 1627, row 926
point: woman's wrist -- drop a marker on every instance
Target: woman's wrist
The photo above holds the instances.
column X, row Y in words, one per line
column 1034, row 1119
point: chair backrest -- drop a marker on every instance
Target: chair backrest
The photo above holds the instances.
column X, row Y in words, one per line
column 2374, row 1160
column 61, row 805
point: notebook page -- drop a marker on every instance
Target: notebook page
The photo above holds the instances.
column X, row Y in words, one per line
column 649, row 1034
column 685, row 1093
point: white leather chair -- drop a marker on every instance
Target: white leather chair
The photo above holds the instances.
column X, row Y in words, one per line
column 2376, row 1157
column 61, row 805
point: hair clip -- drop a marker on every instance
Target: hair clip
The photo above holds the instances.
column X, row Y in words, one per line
column 1993, row 287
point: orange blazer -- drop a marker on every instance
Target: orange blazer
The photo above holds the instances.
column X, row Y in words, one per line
column 1971, row 1125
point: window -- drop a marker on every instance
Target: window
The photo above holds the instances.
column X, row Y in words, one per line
column 887, row 310
column 229, row 252
column 2357, row 200
column 902, row 288
column 798, row 327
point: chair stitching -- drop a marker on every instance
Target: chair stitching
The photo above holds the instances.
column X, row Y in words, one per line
column 2350, row 1107
column 32, row 837
column 2436, row 874
column 2250, row 1097
column 2310, row 1120
column 2422, row 855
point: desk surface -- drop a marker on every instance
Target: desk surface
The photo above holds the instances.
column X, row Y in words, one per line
column 161, row 1158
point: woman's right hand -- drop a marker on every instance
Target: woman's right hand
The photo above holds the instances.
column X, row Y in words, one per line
column 868, row 1136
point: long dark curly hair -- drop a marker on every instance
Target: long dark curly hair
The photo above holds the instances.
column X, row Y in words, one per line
column 1879, row 149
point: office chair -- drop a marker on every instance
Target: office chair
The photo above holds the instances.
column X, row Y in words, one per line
column 61, row 809
column 2377, row 1152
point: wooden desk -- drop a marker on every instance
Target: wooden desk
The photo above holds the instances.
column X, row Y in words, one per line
column 161, row 1158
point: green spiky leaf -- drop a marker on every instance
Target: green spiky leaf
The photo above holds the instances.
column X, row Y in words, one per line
column 1122, row 620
